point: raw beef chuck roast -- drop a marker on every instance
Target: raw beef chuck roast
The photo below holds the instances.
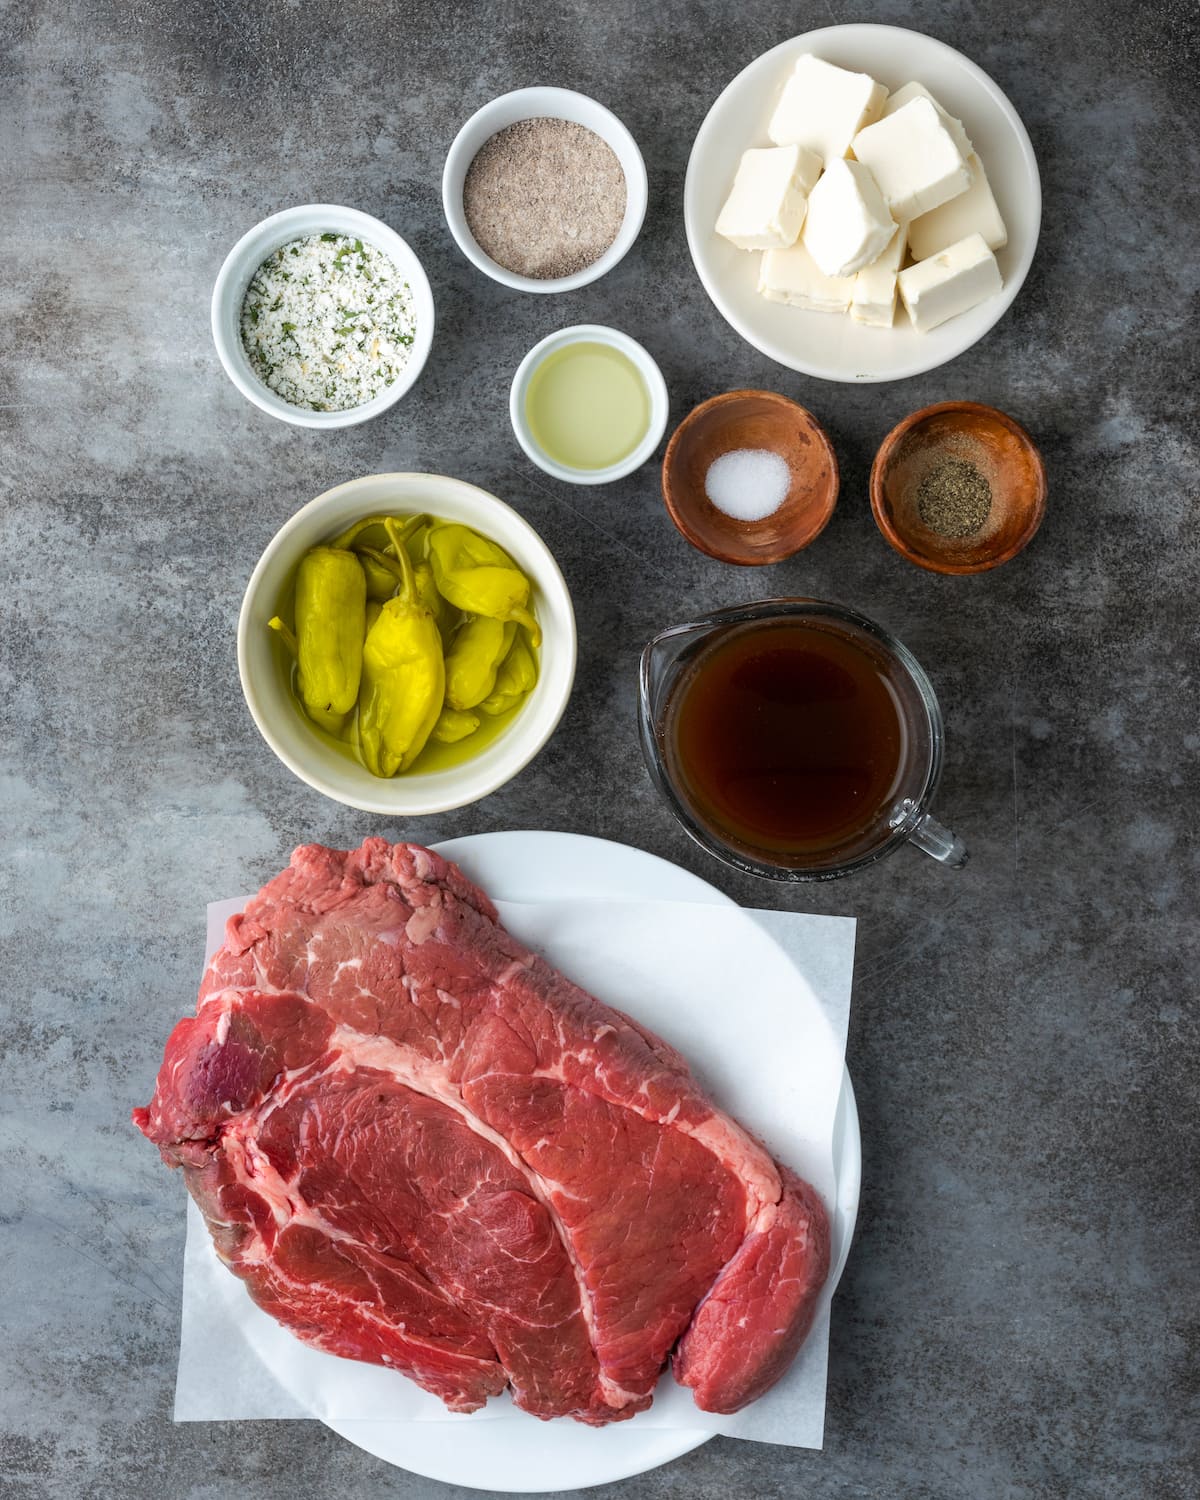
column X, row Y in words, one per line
column 420, row 1145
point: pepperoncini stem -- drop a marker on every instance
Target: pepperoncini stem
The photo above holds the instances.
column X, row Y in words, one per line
column 400, row 566
column 399, row 535
column 408, row 580
column 289, row 639
column 403, row 529
column 349, row 537
column 523, row 617
column 390, row 564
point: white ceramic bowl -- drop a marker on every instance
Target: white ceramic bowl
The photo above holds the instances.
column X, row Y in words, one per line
column 835, row 347
column 250, row 252
column 265, row 680
column 656, row 388
column 532, row 104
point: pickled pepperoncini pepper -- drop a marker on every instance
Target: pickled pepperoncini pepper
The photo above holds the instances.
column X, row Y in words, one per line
column 330, row 610
column 403, row 680
column 381, row 580
column 516, row 676
column 453, row 726
column 475, row 654
column 477, row 576
column 427, row 593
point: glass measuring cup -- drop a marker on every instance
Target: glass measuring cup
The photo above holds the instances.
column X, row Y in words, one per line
column 671, row 660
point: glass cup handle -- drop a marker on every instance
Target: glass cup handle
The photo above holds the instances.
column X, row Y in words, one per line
column 945, row 846
column 928, row 834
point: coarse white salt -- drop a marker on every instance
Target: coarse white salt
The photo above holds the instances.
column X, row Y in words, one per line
column 748, row 484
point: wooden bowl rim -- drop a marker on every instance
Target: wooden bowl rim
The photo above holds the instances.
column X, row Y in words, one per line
column 825, row 508
column 1035, row 507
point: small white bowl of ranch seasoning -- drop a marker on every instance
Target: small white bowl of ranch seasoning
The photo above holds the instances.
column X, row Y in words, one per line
column 322, row 316
column 544, row 189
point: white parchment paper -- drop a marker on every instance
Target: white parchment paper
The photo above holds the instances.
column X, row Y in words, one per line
column 758, row 1002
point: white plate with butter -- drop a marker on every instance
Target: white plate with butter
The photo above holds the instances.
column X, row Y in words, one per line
column 829, row 345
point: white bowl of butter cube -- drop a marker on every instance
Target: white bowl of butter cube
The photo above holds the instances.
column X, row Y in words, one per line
column 862, row 203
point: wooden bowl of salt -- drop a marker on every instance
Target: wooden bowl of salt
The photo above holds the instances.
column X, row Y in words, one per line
column 958, row 488
column 750, row 477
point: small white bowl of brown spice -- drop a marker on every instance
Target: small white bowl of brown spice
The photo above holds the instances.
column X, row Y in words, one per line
column 544, row 189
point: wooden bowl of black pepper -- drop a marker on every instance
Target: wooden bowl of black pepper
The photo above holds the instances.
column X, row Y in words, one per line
column 958, row 487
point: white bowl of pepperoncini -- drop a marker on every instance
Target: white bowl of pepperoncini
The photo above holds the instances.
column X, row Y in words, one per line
column 406, row 644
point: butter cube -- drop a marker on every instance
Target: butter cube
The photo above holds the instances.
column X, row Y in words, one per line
column 914, row 159
column 972, row 212
column 766, row 205
column 918, row 91
column 874, row 297
column 824, row 107
column 848, row 224
column 949, row 283
column 793, row 276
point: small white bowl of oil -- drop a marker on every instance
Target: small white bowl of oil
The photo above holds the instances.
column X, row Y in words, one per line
column 588, row 404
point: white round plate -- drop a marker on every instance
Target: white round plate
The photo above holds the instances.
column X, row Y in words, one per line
column 834, row 346
column 509, row 1457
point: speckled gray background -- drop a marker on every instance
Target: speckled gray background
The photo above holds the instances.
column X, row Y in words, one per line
column 1019, row 1317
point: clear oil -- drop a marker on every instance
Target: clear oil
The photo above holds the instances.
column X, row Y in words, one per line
column 587, row 406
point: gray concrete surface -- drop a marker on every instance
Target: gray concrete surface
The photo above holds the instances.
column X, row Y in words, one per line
column 1019, row 1317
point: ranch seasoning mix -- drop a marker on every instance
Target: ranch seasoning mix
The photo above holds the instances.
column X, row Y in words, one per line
column 327, row 322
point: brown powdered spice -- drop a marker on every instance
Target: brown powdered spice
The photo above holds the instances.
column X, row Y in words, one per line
column 954, row 499
column 544, row 198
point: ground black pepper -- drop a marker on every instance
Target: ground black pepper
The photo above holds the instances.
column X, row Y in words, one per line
column 544, row 198
column 954, row 499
